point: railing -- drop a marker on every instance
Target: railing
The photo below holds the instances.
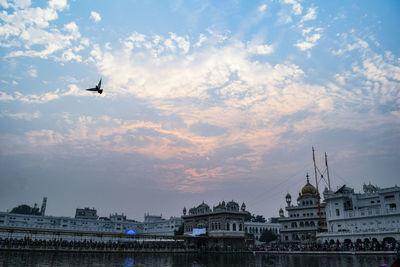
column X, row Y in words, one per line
column 362, row 231
column 368, row 213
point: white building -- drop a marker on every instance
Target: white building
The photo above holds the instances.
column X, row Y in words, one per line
column 114, row 224
column 304, row 220
column 257, row 228
column 86, row 220
column 156, row 225
column 374, row 214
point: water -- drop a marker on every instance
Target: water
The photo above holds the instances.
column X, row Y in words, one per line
column 181, row 259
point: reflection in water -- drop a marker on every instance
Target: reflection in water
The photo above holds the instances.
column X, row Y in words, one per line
column 129, row 262
column 182, row 259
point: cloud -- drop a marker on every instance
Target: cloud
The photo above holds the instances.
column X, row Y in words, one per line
column 262, row 8
column 27, row 31
column 32, row 72
column 357, row 44
column 58, row 4
column 30, row 98
column 95, row 16
column 297, row 8
column 43, row 98
column 4, row 3
column 22, row 115
column 43, row 138
column 259, row 49
column 311, row 36
column 311, row 14
column 21, row 3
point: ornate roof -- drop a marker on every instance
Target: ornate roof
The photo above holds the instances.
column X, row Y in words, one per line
column 308, row 190
column 201, row 209
column 232, row 206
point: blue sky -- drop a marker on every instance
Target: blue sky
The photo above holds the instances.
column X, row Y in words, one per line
column 203, row 100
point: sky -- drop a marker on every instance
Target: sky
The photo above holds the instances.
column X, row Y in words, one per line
column 203, row 101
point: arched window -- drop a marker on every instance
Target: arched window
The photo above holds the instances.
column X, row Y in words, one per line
column 240, row 227
column 301, row 224
column 227, row 226
column 234, row 226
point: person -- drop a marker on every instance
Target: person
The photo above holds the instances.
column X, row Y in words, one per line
column 396, row 263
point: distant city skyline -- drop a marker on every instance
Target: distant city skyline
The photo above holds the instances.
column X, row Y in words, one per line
column 203, row 101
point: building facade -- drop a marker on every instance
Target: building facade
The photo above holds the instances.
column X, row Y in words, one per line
column 223, row 220
column 371, row 215
column 86, row 220
column 257, row 228
column 222, row 227
column 156, row 225
column 304, row 220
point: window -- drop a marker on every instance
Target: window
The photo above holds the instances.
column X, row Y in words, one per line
column 337, row 212
column 390, row 197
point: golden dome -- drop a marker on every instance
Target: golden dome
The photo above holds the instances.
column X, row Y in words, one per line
column 308, row 190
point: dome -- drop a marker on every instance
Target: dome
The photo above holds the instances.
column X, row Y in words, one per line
column 308, row 190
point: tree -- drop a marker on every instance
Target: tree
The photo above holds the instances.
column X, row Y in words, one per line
column 268, row 236
column 259, row 218
column 248, row 217
column 179, row 231
column 253, row 218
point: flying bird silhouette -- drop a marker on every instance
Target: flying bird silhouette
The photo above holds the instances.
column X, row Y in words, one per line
column 97, row 88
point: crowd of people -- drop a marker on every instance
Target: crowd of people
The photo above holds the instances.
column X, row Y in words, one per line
column 335, row 246
column 55, row 244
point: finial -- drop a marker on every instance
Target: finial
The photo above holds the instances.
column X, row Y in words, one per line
column 308, row 181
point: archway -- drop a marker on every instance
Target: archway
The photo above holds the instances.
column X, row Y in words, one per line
column 347, row 241
column 389, row 240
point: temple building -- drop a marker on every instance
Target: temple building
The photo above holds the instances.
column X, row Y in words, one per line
column 373, row 215
column 221, row 227
column 304, row 220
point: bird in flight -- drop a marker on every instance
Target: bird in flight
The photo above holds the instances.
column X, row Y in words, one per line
column 97, row 88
